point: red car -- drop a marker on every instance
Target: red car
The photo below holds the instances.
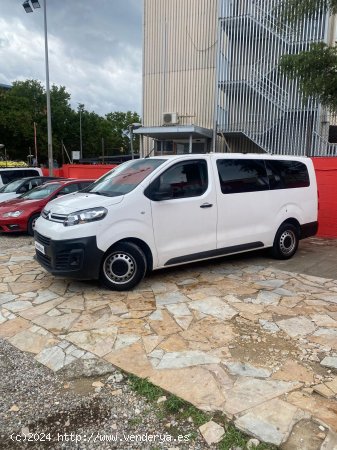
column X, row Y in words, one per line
column 20, row 214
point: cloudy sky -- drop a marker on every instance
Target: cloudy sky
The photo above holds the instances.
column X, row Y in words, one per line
column 94, row 50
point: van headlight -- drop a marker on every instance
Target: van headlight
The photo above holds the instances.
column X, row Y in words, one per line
column 12, row 214
column 85, row 216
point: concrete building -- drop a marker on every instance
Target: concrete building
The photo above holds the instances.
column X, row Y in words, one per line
column 211, row 79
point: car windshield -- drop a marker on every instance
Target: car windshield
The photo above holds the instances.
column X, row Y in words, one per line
column 124, row 178
column 11, row 187
column 41, row 192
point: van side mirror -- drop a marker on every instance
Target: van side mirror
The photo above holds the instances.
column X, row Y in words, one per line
column 153, row 193
column 161, row 195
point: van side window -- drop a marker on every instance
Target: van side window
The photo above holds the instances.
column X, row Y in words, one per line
column 287, row 174
column 242, row 175
column 186, row 179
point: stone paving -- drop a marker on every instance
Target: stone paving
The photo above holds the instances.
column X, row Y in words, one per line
column 255, row 342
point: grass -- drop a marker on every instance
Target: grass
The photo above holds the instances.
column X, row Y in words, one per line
column 235, row 438
column 175, row 407
column 145, row 388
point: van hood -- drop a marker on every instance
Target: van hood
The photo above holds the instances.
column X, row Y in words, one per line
column 81, row 200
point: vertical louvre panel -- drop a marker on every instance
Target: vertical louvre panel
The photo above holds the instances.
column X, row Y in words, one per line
column 179, row 61
column 259, row 109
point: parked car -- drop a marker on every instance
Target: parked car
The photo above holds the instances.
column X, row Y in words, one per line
column 163, row 211
column 8, row 174
column 22, row 185
column 20, row 214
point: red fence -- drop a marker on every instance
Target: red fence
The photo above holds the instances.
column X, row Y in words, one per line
column 81, row 171
column 326, row 173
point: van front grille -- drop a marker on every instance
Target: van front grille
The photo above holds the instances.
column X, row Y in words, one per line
column 44, row 260
column 42, row 239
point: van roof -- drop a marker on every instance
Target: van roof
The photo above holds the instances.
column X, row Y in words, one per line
column 233, row 155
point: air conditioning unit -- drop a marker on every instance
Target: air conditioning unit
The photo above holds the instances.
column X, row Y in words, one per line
column 170, row 118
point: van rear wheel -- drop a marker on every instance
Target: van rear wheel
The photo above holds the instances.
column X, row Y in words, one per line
column 123, row 267
column 285, row 242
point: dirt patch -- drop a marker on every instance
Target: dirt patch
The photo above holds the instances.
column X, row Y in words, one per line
column 305, row 435
column 259, row 347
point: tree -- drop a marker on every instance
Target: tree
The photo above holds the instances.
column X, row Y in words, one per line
column 119, row 122
column 297, row 9
column 25, row 104
column 315, row 69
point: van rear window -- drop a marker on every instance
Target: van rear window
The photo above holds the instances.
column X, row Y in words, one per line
column 287, row 174
column 250, row 175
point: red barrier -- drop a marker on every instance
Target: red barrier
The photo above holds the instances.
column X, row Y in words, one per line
column 81, row 171
column 326, row 173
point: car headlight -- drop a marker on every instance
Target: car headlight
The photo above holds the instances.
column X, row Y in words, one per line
column 12, row 214
column 85, row 216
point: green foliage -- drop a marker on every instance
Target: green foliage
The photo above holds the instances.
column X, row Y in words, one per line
column 316, row 71
column 25, row 103
column 235, row 438
column 120, row 121
column 297, row 9
column 232, row 438
column 145, row 388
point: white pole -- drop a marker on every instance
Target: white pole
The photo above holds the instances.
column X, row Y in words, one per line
column 49, row 131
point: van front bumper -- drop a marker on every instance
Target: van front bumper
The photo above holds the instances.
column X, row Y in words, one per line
column 71, row 258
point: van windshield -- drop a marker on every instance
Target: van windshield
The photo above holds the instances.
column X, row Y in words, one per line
column 124, row 178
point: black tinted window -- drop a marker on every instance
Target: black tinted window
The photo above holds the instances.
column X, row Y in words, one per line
column 187, row 179
column 242, row 175
column 9, row 175
column 30, row 173
column 287, row 174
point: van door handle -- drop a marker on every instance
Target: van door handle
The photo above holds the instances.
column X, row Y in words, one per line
column 206, row 205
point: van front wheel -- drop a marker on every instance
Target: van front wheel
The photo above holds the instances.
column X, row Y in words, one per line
column 123, row 267
column 285, row 242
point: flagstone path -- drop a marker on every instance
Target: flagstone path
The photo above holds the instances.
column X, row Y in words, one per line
column 255, row 342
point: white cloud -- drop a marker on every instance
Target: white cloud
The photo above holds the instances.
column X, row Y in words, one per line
column 92, row 51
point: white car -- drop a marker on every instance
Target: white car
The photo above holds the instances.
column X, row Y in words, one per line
column 163, row 211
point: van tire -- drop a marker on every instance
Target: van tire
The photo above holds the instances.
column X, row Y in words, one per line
column 31, row 224
column 285, row 242
column 123, row 267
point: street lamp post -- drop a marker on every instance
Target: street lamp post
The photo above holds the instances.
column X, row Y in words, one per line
column 80, row 107
column 28, row 9
column 133, row 126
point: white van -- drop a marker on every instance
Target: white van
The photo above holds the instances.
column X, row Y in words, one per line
column 156, row 212
column 8, row 174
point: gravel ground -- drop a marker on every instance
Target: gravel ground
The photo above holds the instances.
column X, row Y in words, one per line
column 15, row 240
column 35, row 400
